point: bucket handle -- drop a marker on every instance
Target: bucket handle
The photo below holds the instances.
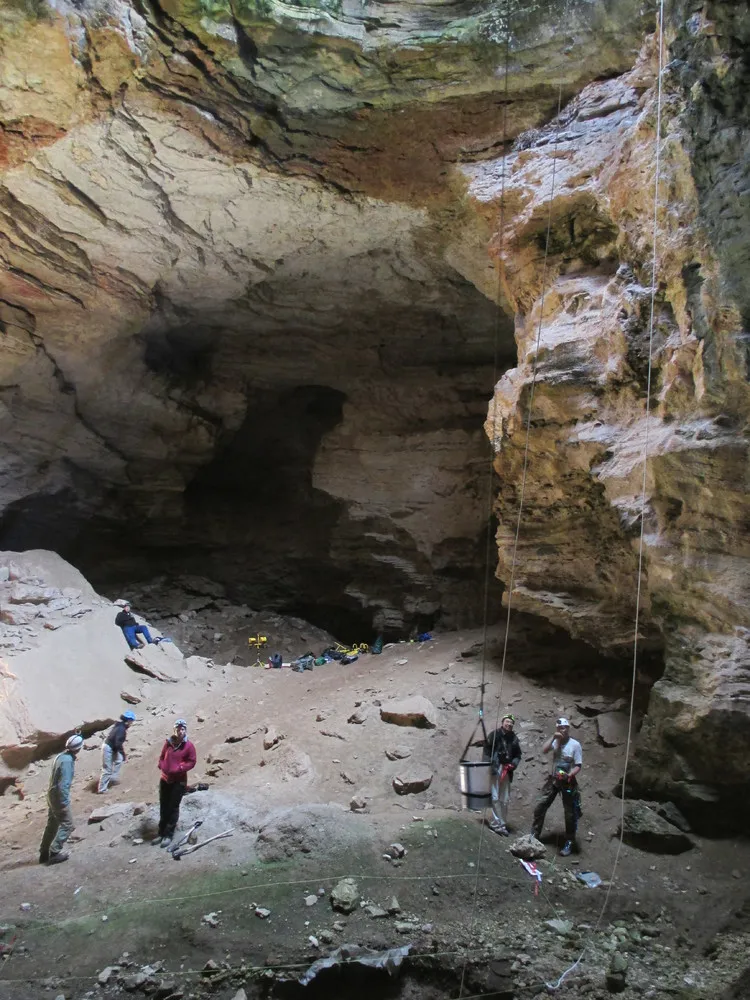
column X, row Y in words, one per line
column 473, row 733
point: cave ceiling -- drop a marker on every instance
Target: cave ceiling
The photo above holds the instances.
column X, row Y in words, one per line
column 249, row 318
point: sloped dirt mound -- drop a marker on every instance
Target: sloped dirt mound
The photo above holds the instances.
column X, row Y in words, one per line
column 319, row 829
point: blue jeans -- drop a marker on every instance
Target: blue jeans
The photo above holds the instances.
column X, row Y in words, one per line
column 131, row 631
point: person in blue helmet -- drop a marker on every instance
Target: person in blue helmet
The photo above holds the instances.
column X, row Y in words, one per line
column 113, row 751
column 59, row 815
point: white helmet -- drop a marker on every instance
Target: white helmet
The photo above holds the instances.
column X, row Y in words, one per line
column 74, row 743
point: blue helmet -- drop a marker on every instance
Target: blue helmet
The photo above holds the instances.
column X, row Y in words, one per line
column 128, row 716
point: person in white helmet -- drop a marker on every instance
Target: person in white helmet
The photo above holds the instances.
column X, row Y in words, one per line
column 59, row 816
column 567, row 760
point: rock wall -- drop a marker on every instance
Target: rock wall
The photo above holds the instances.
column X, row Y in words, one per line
column 234, row 344
column 584, row 188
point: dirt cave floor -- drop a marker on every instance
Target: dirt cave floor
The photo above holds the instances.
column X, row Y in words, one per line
column 464, row 906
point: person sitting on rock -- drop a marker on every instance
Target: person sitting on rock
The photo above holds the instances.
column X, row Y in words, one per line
column 125, row 619
column 567, row 760
column 177, row 757
column 59, row 816
column 113, row 751
column 504, row 751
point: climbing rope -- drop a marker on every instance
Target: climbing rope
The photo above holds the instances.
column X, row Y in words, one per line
column 480, row 845
column 641, row 539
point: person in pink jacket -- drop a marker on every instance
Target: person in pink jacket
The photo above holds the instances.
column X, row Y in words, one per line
column 176, row 759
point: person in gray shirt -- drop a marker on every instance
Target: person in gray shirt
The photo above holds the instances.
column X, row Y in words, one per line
column 567, row 760
column 59, row 816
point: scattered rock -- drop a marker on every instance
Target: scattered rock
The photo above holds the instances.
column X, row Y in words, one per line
column 311, row 900
column 412, row 782
column 375, row 911
column 345, row 896
column 346, row 778
column 398, row 850
column 405, row 927
column 358, row 717
column 399, row 752
column 212, row 919
column 358, row 802
column 645, row 829
column 236, row 737
column 563, row 927
column 272, row 738
column 131, row 699
column 124, row 809
column 332, row 734
column 417, row 711
column 262, row 912
column 528, row 848
column 670, row 812
column 618, row 968
column 106, row 974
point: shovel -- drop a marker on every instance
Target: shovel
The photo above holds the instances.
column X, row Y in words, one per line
column 177, row 854
column 188, row 835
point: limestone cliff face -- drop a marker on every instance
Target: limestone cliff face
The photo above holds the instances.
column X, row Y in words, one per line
column 233, row 341
column 583, row 317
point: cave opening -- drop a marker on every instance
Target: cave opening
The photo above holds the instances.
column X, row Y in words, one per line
column 317, row 452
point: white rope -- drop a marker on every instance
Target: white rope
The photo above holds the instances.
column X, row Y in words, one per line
column 525, row 462
column 641, row 541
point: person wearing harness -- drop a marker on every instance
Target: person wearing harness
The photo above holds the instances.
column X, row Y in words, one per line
column 567, row 760
column 503, row 750
column 59, row 816
column 113, row 751
column 176, row 759
column 125, row 620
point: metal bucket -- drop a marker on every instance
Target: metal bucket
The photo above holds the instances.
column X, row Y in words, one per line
column 475, row 781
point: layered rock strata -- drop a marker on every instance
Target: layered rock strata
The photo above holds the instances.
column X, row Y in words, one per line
column 570, row 425
column 234, row 343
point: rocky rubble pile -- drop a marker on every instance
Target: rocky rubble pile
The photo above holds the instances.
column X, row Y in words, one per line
column 197, row 614
column 29, row 603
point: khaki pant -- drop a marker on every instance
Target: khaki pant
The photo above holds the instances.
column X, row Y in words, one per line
column 571, row 806
column 59, row 827
column 111, row 764
column 500, row 791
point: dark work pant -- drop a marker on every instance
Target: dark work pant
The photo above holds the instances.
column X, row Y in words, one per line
column 170, row 796
column 547, row 796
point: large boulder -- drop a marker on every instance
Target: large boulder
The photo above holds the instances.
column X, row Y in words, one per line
column 416, row 711
column 645, row 829
column 66, row 669
column 413, row 781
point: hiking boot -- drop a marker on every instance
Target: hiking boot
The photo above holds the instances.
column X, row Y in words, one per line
column 165, row 842
column 57, row 859
column 567, row 849
column 156, row 842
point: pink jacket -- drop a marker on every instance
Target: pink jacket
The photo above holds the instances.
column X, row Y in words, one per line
column 175, row 762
